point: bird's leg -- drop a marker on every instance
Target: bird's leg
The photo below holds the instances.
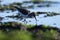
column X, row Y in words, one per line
column 35, row 18
column 24, row 27
column 25, row 22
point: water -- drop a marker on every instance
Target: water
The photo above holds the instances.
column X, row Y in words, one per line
column 9, row 1
column 4, row 14
column 52, row 8
column 51, row 21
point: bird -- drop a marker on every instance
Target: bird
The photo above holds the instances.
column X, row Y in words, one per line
column 25, row 13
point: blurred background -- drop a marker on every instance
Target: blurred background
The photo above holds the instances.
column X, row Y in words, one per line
column 29, row 19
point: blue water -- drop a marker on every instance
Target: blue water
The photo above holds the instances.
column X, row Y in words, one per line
column 42, row 20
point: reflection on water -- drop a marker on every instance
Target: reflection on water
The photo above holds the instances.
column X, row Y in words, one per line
column 52, row 21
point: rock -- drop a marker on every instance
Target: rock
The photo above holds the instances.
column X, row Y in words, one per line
column 1, row 18
column 41, row 12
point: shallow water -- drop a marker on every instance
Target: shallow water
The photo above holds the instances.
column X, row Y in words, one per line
column 51, row 21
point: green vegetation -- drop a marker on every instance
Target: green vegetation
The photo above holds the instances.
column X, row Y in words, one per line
column 41, row 32
column 37, row 1
column 2, row 36
column 15, row 35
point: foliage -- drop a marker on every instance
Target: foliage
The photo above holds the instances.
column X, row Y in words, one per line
column 37, row 0
column 2, row 36
column 15, row 35
column 48, row 35
column 41, row 33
